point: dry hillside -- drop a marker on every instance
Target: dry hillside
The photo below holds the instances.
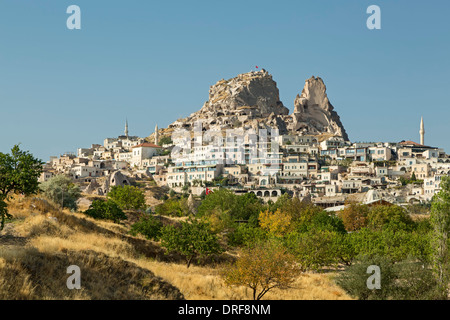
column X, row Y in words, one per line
column 42, row 241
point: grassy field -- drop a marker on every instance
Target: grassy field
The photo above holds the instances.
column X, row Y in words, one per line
column 42, row 241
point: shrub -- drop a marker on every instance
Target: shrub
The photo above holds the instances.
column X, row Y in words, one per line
column 107, row 210
column 405, row 280
column 148, row 226
column 354, row 279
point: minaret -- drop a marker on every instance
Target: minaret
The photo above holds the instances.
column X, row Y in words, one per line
column 126, row 128
column 422, row 132
column 156, row 135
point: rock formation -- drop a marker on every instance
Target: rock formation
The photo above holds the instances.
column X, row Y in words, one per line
column 251, row 101
column 313, row 112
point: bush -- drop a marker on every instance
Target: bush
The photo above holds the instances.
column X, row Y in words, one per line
column 107, row 210
column 128, row 197
column 415, row 281
column 148, row 226
column 405, row 280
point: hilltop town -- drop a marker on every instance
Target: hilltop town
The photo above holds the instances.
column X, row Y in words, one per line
column 306, row 154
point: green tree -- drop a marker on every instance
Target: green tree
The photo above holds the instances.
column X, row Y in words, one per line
column 440, row 220
column 107, row 210
column 60, row 189
column 148, row 226
column 389, row 216
column 238, row 207
column 127, row 197
column 315, row 249
column 19, row 173
column 173, row 207
column 262, row 267
column 193, row 239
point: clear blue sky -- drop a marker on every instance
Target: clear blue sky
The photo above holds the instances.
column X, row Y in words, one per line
column 154, row 61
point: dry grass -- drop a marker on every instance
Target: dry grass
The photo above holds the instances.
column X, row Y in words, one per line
column 114, row 265
column 204, row 283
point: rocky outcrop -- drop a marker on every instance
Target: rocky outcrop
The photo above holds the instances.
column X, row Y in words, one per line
column 251, row 101
column 313, row 112
column 236, row 102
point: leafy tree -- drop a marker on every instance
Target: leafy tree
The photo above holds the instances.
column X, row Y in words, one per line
column 389, row 216
column 194, row 238
column 19, row 173
column 354, row 216
column 300, row 212
column 440, row 220
column 275, row 223
column 127, row 197
column 397, row 245
column 322, row 220
column 239, row 207
column 262, row 267
column 246, row 235
column 107, row 210
column 148, row 226
column 173, row 207
column 60, row 189
column 315, row 249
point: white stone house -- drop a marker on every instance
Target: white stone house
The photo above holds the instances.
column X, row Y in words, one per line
column 142, row 152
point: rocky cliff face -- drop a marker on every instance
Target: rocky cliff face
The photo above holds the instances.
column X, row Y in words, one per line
column 313, row 112
column 251, row 100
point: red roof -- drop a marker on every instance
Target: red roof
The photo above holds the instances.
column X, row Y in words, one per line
column 409, row 142
column 147, row 145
